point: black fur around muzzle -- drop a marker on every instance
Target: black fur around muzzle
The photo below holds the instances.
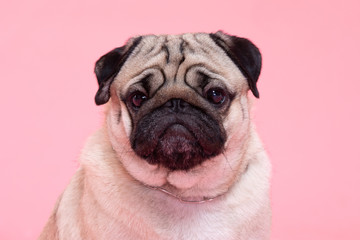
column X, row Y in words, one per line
column 178, row 136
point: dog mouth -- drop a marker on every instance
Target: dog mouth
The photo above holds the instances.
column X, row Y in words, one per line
column 177, row 149
column 177, row 141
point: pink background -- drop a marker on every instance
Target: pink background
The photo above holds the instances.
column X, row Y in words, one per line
column 308, row 114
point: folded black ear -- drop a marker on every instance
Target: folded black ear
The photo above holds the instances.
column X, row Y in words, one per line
column 108, row 66
column 244, row 54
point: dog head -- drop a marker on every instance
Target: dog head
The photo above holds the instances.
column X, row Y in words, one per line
column 178, row 108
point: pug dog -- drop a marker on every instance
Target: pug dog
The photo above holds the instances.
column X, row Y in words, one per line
column 178, row 157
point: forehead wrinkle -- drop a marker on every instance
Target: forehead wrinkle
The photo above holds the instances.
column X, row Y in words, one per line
column 184, row 92
column 157, row 51
column 170, row 51
column 152, row 45
column 184, row 51
column 175, row 58
column 174, row 47
column 214, row 59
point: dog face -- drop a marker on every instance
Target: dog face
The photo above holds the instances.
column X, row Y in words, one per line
column 178, row 114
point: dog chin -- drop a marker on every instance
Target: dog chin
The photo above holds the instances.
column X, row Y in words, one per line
column 187, row 186
column 200, row 183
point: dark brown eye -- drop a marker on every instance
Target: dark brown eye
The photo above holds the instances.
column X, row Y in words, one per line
column 137, row 99
column 216, row 96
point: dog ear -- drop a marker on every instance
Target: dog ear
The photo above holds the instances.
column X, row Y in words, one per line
column 244, row 54
column 108, row 66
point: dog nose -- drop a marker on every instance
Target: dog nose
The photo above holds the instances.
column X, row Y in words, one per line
column 176, row 104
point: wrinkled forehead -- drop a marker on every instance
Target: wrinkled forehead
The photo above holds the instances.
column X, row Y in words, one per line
column 175, row 55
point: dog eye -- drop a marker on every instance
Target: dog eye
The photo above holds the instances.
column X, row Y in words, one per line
column 137, row 99
column 216, row 96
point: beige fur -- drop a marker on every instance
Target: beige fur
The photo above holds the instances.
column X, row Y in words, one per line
column 108, row 197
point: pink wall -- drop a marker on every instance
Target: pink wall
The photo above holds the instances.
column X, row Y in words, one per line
column 308, row 113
